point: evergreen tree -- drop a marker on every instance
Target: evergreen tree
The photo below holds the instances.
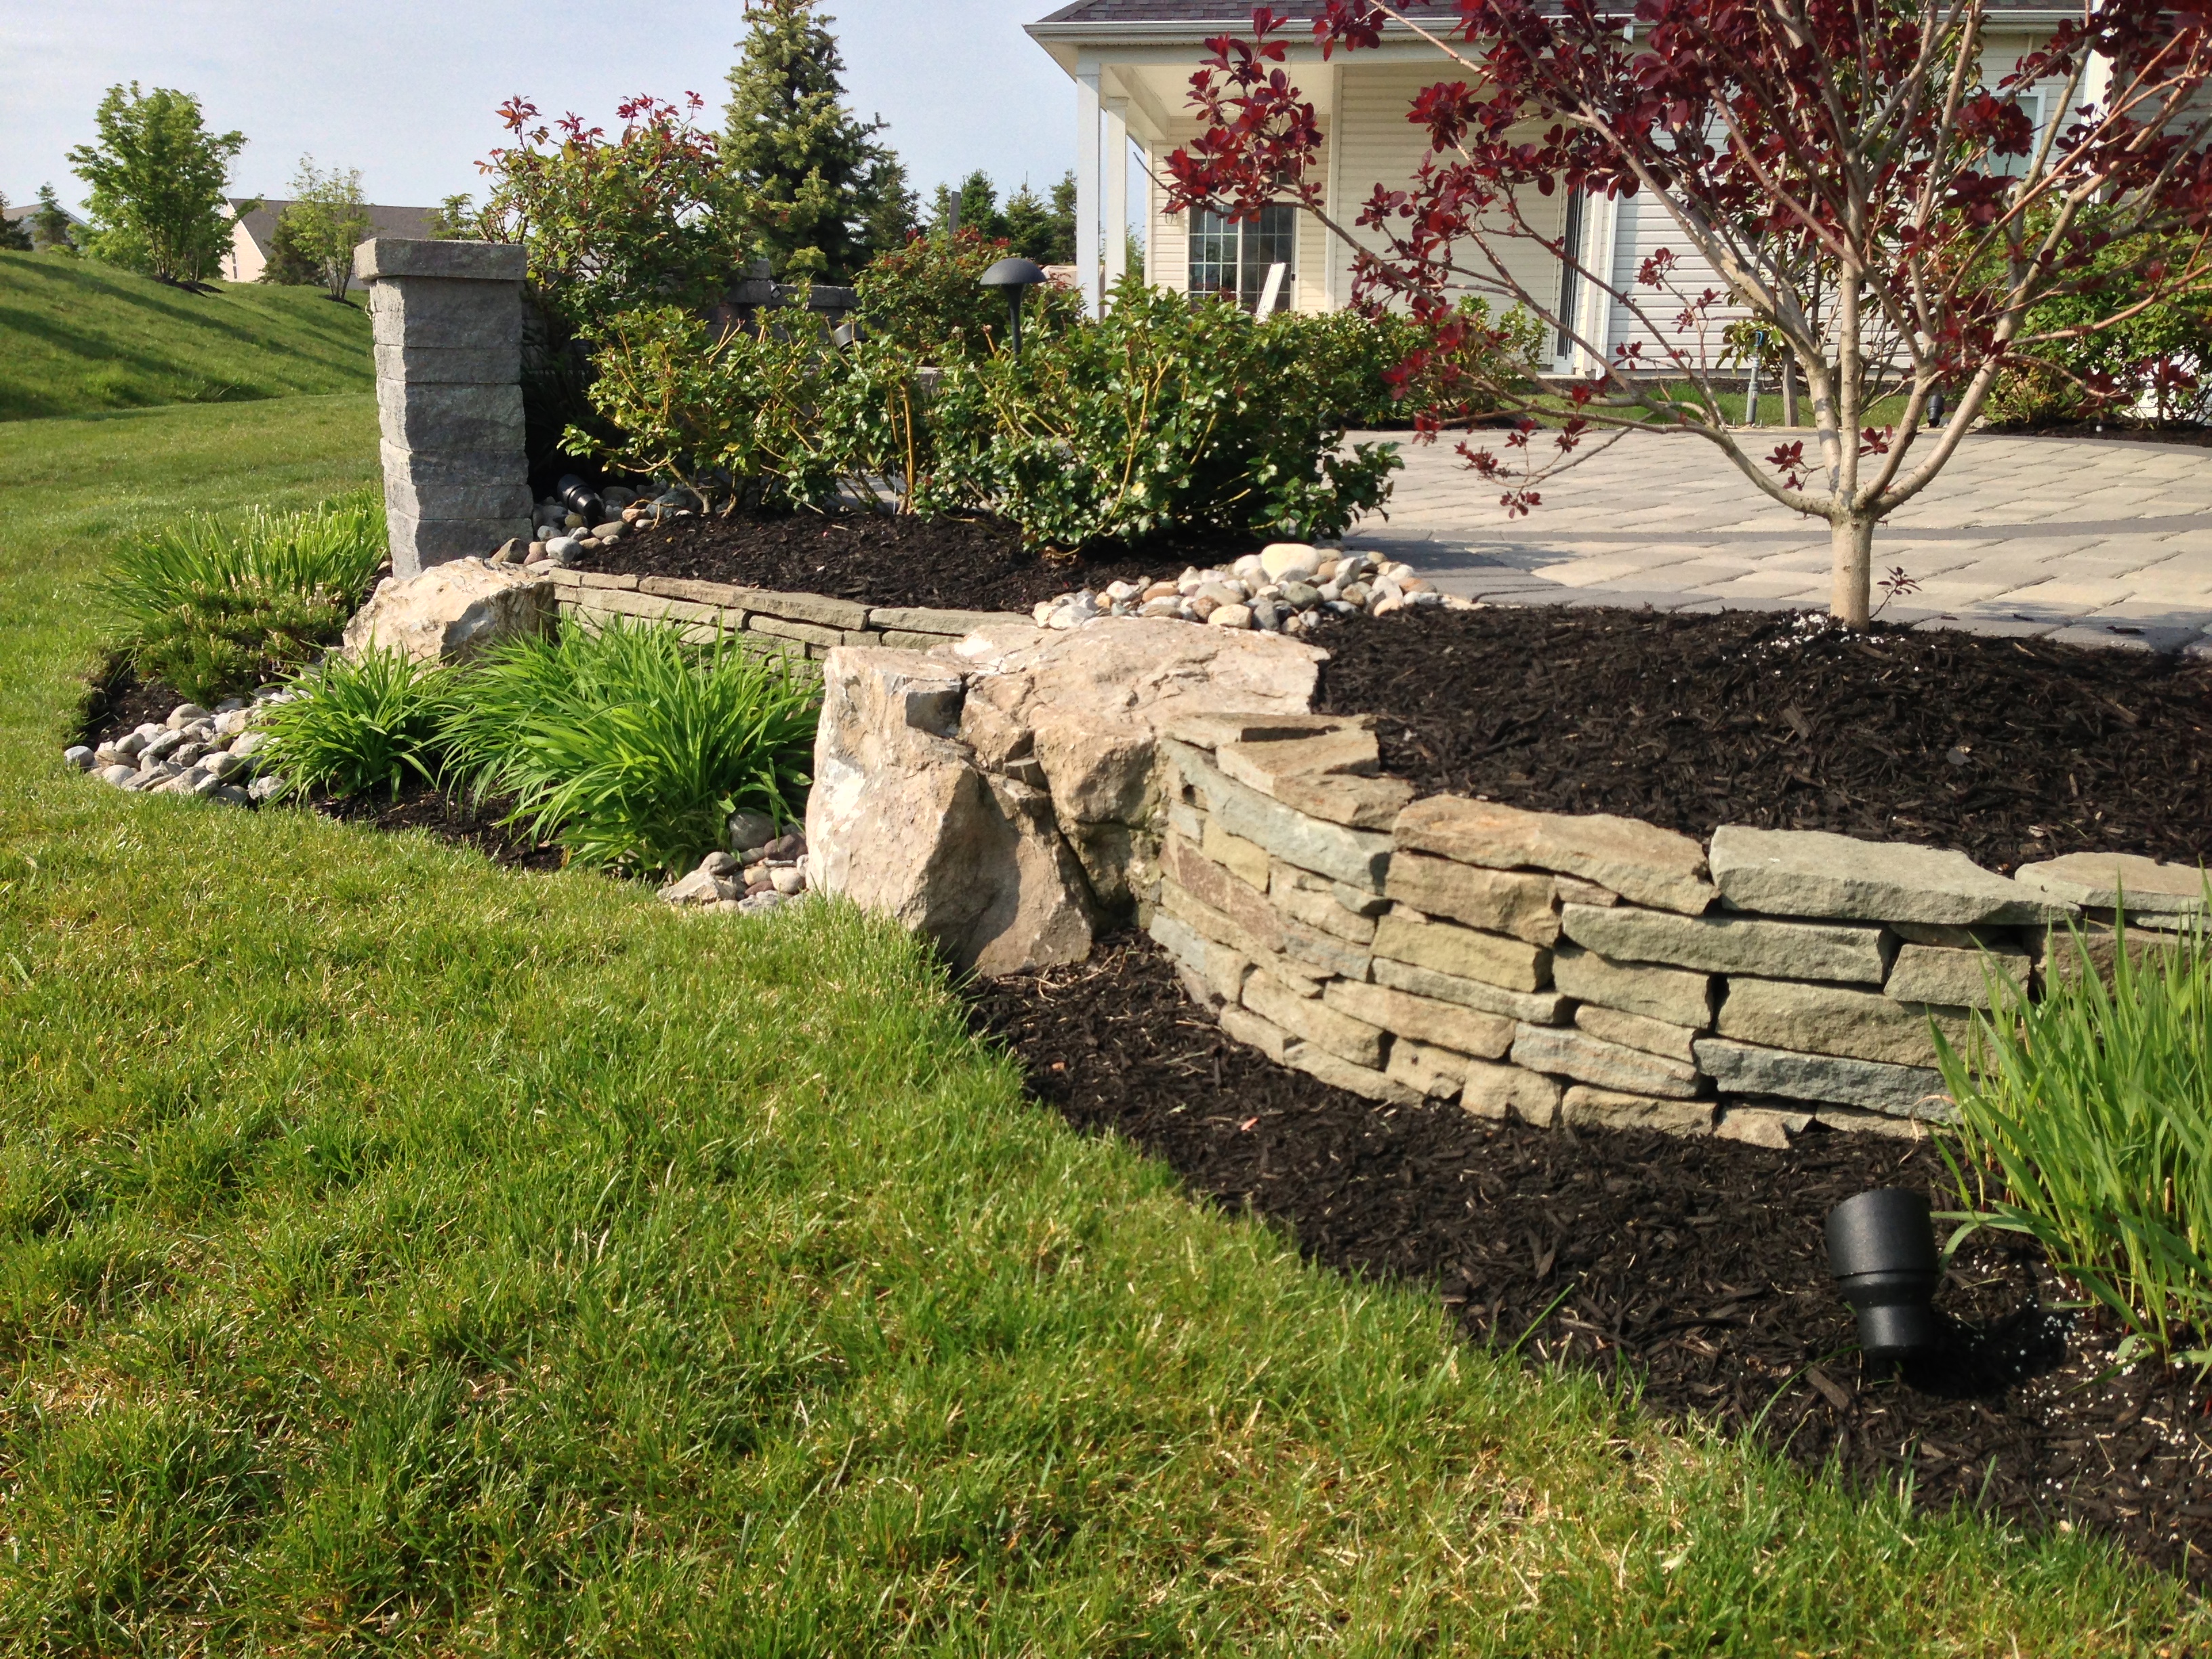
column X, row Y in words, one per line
column 894, row 211
column 1063, row 222
column 290, row 262
column 1030, row 225
column 158, row 176
column 805, row 162
column 973, row 205
column 14, row 234
column 51, row 228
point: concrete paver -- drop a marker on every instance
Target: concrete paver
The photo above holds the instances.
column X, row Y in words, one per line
column 2067, row 537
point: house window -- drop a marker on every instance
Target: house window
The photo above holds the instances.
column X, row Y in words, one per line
column 1570, row 237
column 1232, row 258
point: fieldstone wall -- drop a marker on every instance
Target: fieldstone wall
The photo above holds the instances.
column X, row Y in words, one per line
column 1563, row 969
column 803, row 624
column 447, row 321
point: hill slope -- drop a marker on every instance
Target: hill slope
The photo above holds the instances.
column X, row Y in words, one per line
column 78, row 336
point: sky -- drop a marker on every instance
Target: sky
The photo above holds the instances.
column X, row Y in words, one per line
column 405, row 90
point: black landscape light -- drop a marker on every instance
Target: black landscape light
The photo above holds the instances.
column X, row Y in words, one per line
column 1881, row 1248
column 1017, row 276
column 580, row 498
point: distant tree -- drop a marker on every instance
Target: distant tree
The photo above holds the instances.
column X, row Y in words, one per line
column 14, row 234
column 51, row 228
column 894, row 210
column 158, row 178
column 971, row 204
column 329, row 218
column 803, row 161
column 1040, row 230
column 290, row 264
column 455, row 219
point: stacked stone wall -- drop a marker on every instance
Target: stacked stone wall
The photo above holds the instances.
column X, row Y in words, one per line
column 1587, row 969
column 798, row 624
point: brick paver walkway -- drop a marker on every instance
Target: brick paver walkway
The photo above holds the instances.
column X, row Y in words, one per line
column 2078, row 539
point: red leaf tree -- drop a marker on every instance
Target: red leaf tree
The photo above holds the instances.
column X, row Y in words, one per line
column 1878, row 214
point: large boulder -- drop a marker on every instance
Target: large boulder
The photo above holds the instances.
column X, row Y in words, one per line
column 451, row 611
column 996, row 793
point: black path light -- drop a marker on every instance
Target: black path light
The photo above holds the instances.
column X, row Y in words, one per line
column 1017, row 276
column 1881, row 1248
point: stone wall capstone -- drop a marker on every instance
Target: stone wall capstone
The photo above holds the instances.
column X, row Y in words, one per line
column 447, row 321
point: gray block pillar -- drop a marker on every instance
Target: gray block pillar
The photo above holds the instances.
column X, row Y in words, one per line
column 448, row 323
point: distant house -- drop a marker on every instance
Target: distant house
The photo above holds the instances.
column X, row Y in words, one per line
column 250, row 237
column 22, row 213
column 1131, row 61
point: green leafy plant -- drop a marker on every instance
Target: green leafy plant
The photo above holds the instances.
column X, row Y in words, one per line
column 1355, row 360
column 2085, row 1124
column 355, row 726
column 158, row 178
column 734, row 418
column 214, row 605
column 927, row 298
column 1164, row 415
column 632, row 745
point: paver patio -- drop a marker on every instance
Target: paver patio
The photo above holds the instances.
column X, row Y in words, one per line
column 2083, row 540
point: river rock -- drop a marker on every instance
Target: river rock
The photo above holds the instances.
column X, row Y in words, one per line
column 78, row 757
column 452, row 613
column 1812, row 872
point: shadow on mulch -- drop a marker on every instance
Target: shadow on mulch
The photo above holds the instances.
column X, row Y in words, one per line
column 2008, row 750
column 450, row 818
column 1695, row 1267
column 2197, row 437
column 952, row 564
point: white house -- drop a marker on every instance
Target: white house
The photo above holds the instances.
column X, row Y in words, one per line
column 249, row 238
column 1132, row 60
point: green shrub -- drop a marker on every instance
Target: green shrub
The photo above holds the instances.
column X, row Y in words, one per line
column 1352, row 359
column 733, row 417
column 2086, row 1123
column 353, row 726
column 926, row 299
column 632, row 746
column 1165, row 415
column 213, row 607
column 2154, row 365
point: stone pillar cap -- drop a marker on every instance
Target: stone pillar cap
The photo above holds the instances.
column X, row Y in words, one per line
column 402, row 256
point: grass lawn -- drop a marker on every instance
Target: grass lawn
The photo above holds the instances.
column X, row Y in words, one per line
column 76, row 336
column 398, row 1255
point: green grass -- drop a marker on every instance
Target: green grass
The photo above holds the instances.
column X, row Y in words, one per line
column 401, row 1256
column 2094, row 1110
column 77, row 336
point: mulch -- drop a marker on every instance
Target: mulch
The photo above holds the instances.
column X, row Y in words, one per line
column 2008, row 750
column 952, row 564
column 1694, row 1268
column 2196, row 437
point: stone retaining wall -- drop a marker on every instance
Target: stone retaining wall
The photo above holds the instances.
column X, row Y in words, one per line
column 1585, row 969
column 1014, row 793
column 807, row 625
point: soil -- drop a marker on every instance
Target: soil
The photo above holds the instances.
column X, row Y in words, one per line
column 449, row 817
column 2009, row 751
column 953, row 564
column 1694, row 1267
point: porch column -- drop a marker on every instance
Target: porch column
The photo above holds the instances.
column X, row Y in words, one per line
column 1117, row 190
column 1087, row 183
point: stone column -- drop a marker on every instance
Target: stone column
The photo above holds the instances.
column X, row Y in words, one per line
column 448, row 322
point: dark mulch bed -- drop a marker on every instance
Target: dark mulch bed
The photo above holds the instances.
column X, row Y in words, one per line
column 119, row 703
column 953, row 564
column 1695, row 1267
column 2009, row 751
column 449, row 816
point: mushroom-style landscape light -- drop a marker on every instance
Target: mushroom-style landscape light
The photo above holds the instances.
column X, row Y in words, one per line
column 1017, row 276
column 1881, row 1248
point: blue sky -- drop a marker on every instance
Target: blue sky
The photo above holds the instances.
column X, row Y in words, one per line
column 405, row 89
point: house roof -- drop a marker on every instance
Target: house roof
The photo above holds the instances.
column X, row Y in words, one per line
column 411, row 221
column 15, row 211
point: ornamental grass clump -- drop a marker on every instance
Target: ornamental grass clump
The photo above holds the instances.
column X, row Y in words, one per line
column 352, row 727
column 213, row 607
column 631, row 745
column 2086, row 1123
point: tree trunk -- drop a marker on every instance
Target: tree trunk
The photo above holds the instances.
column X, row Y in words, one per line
column 1789, row 392
column 1851, row 540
